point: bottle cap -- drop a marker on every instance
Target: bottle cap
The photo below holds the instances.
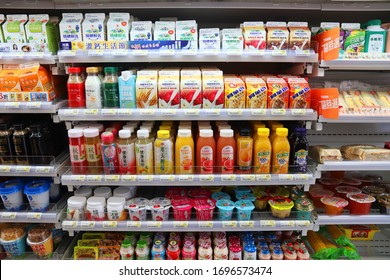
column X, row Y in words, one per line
column 73, row 133
column 143, row 133
column 92, row 70
column 110, row 70
column 226, row 133
column 91, row 132
column 206, row 133
column 275, row 126
column 374, row 22
column 263, row 132
column 164, row 134
column 129, row 128
column 148, row 128
column 223, row 126
column 74, row 70
column 108, row 137
column 124, row 133
column 99, row 126
column 245, row 132
column 184, row 133
column 300, row 131
column 141, row 243
column 281, row 131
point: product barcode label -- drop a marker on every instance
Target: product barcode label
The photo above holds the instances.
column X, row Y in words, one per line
column 71, row 112
column 267, row 223
column 263, row 177
column 133, row 224
column 145, row 178
column 186, row 178
column 180, row 224
column 110, row 224
column 87, row 224
column 8, row 215
column 278, row 112
column 206, row 224
column 287, row 224
column 248, row 178
column 125, row 112
column 235, row 112
column 167, row 178
column 279, row 52
column 191, row 112
column 91, row 112
column 5, row 168
column 112, row 178
column 247, row 224
column 228, row 177
column 258, row 112
column 286, row 177
column 23, row 169
column 94, row 178
column 154, row 224
column 212, row 112
column 206, row 178
column 129, row 178
column 67, row 53
column 34, row 216
column 229, row 224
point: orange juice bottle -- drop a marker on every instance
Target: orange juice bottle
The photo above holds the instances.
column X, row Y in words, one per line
column 262, row 152
column 205, row 152
column 273, row 131
column 184, row 152
column 244, row 149
column 226, row 152
column 256, row 127
column 280, row 152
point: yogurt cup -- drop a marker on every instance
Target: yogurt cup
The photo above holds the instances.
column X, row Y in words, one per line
column 384, row 203
column 241, row 190
column 316, row 195
column 159, row 207
column 281, row 206
column 373, row 190
column 76, row 208
column 352, row 182
column 334, row 205
column 244, row 209
column 225, row 209
column 261, row 200
column 342, row 191
column 182, row 207
column 84, row 191
column 176, row 192
column 304, row 207
column 38, row 195
column 14, row 242
column 199, row 193
column 126, row 192
column 330, row 183
column 137, row 208
column 220, row 195
column 360, row 203
column 204, row 208
column 103, row 192
column 246, row 196
column 116, row 209
column 12, row 194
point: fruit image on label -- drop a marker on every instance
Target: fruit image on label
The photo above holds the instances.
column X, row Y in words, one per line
column 77, row 153
column 264, row 159
column 144, row 158
column 281, row 164
column 227, row 160
column 207, row 160
column 245, row 153
column 300, row 160
column 186, row 163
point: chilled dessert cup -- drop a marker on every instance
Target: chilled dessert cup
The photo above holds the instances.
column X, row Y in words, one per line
column 159, row 207
column 245, row 196
column 182, row 207
column 330, row 183
column 11, row 193
column 137, row 208
column 280, row 206
column 244, row 209
column 304, row 207
column 351, row 182
column 334, row 205
column 384, row 203
column 225, row 209
column 204, row 208
column 14, row 242
column 360, row 203
column 316, row 195
column 220, row 195
column 297, row 193
column 41, row 242
column 261, row 201
column 38, row 195
column 342, row 191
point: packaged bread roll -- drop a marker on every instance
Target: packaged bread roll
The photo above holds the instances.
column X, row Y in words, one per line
column 324, row 153
column 371, row 154
column 347, row 150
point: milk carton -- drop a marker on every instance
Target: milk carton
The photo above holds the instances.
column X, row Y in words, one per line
column 146, row 89
column 232, row 39
column 213, row 89
column 9, row 78
column 141, row 31
column 1, row 28
column 191, row 88
column 42, row 32
column 169, row 88
column 13, row 29
column 94, row 27
column 254, row 35
column 70, row 27
column 256, row 93
column 235, row 93
column 209, row 39
column 187, row 30
column 126, row 85
column 164, row 30
column 118, row 27
column 277, row 35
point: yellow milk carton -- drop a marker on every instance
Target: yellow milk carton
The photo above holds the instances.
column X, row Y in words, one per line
column 9, row 78
column 256, row 93
column 13, row 29
column 94, row 27
column 146, row 89
column 235, row 93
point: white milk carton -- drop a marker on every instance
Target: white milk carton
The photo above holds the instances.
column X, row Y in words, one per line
column 1, row 28
column 213, row 89
column 191, row 88
column 169, row 88
column 94, row 27
column 164, row 31
column 13, row 29
column 70, row 27
column 141, row 31
column 232, row 39
column 187, row 30
column 209, row 39
column 118, row 27
column 255, row 36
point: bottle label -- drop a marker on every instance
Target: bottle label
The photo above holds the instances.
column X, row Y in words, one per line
column 281, row 164
column 282, row 157
column 126, row 158
column 163, row 157
column 206, row 160
column 110, row 160
column 93, row 153
column 93, row 94
column 111, row 93
column 77, row 153
column 263, row 159
column 144, row 158
column 300, row 159
column 76, row 94
column 186, row 163
column 245, row 153
column 227, row 160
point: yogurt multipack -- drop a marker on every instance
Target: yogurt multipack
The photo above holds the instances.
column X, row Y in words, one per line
column 71, row 27
column 191, row 88
column 141, row 31
column 232, row 39
column 94, row 27
column 164, row 31
column 169, row 88
column 209, row 39
column 187, row 30
column 42, row 32
column 118, row 27
column 13, row 29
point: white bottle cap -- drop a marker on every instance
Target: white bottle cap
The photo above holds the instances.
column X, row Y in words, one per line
column 143, row 127
column 224, row 126
column 77, row 201
column 125, row 75
column 83, row 191
column 206, row 133
column 143, row 133
column 226, row 133
column 129, row 128
column 184, row 133
column 124, row 133
column 75, row 133
column 99, row 126
column 103, row 192
column 91, row 132
column 96, row 201
column 116, row 201
column 124, row 192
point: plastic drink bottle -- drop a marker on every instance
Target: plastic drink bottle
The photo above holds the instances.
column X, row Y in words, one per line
column 93, row 89
column 173, row 251
column 144, row 153
column 205, row 252
column 109, row 155
column 221, row 251
column 205, row 152
column 188, row 251
column 158, row 251
column 77, row 151
column 280, row 152
column 76, row 88
column 93, row 150
column 163, row 153
column 142, row 250
column 226, row 152
column 184, row 152
column 262, row 152
column 300, row 150
column 244, row 149
column 127, row 250
column 126, row 152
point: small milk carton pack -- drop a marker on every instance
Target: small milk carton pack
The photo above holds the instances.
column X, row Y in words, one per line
column 300, row 35
column 278, row 93
column 235, row 93
column 277, row 35
column 146, row 89
column 187, row 30
column 191, row 88
column 213, row 89
column 13, row 29
column 126, row 85
column 164, row 31
column 169, row 88
column 300, row 96
column 209, row 39
column 70, row 27
column 1, row 28
column 255, row 36
column 232, row 39
column 94, row 27
column 9, row 78
column 141, row 31
column 256, row 93
column 118, row 27
column 41, row 30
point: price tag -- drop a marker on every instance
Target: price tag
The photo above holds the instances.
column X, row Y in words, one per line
column 69, row 224
column 279, row 52
column 140, row 52
column 36, row 54
column 110, row 224
column 95, row 52
column 167, row 178
column 77, row 178
column 112, row 178
column 302, row 52
column 186, row 178
column 248, row 178
column 33, row 105
column 91, row 112
column 206, row 224
column 42, row 169
column 34, row 216
column 229, row 224
column 189, row 52
column 301, row 177
column 133, row 224
column 12, row 105
column 166, row 52
column 120, row 52
column 168, row 112
column 128, row 178
column 228, row 177
column 23, row 169
column 94, row 178
column 298, row 112
column 206, row 178
column 145, row 178
column 147, row 112
column 267, row 223
column 87, row 224
column 109, row 112
column 16, row 54
column 154, row 224
column 286, row 177
column 278, row 112
column 234, row 52
column 180, row 224
column 287, row 224
column 235, row 112
column 247, row 224
column 212, row 112
column 258, row 112
column 67, row 53
column 263, row 177
column 71, row 112
column 303, row 224
column 5, row 168
column 191, row 112
column 8, row 215
column 125, row 112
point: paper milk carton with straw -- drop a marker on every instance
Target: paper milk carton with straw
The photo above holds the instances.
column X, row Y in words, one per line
column 169, row 88
column 254, row 35
column 191, row 88
column 300, row 36
column 13, row 29
column 94, row 27
column 70, row 27
column 213, row 89
column 141, row 31
column 277, row 35
column 164, row 31
column 118, row 27
column 187, row 30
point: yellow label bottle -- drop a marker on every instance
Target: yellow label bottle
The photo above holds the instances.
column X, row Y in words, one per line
column 280, row 152
column 184, row 152
column 273, row 131
column 244, row 149
column 262, row 152
column 144, row 153
column 163, row 153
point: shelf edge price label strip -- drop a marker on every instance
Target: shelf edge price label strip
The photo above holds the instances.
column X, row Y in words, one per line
column 87, row 224
column 8, row 215
column 154, row 224
column 258, row 112
column 23, row 169
column 5, row 168
column 287, row 224
column 298, row 112
column 109, row 112
column 228, row 177
column 12, row 105
column 247, row 224
column 145, row 178
column 235, row 112
column 263, row 177
column 248, row 178
column 206, row 224
column 303, row 224
column 212, row 112
column 110, row 224
column 125, row 112
column 129, row 178
column 168, row 112
column 167, row 178
column 286, row 177
column 34, row 216
column 91, row 112
column 191, row 112
column 112, row 178
column 33, row 105
column 94, row 178
column 147, row 112
column 186, row 178
column 229, row 224
column 206, row 178
column 133, row 224
column 95, row 52
column 69, row 224
column 267, row 223
column 180, row 224
column 278, row 112
column 42, row 169
column 77, row 178
column 71, row 112
column 301, row 177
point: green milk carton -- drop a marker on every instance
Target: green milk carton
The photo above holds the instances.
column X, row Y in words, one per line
column 1, row 28
column 375, row 37
column 42, row 32
column 13, row 29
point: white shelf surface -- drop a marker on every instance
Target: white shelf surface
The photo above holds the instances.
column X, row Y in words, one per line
column 121, row 56
column 356, row 64
column 354, row 166
column 368, row 118
column 374, row 218
column 185, row 114
column 24, row 57
column 34, row 107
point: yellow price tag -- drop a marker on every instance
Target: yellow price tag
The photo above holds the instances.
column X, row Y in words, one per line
column 33, row 105
column 129, row 178
column 206, row 224
column 23, row 169
column 168, row 112
column 69, row 224
column 145, row 178
column 95, row 52
column 91, row 112
column 34, row 216
column 77, row 178
column 212, row 112
column 8, row 215
column 286, row 177
column 71, row 112
column 228, row 177
column 186, row 178
column 191, row 112
column 279, row 52
column 263, row 177
column 267, row 223
column 248, row 177
column 247, row 224
column 112, row 178
column 206, row 178
column 180, row 224
column 133, row 224
column 287, row 224
column 235, row 112
column 110, row 224
column 278, row 112
column 167, row 178
column 258, row 112
column 125, row 112
column 109, row 112
column 303, row 224
column 147, row 112
column 42, row 169
column 12, row 105
column 5, row 168
column 87, row 224
column 94, row 178
column 154, row 224
column 301, row 177
column 229, row 224
column 298, row 112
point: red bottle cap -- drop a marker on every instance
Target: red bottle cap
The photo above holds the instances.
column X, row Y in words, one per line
column 73, row 70
column 107, row 137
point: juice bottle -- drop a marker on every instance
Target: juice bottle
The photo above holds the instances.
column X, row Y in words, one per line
column 126, row 152
column 262, row 152
column 110, row 88
column 143, row 153
column 158, row 251
column 219, row 127
column 256, row 126
column 93, row 88
column 77, row 151
column 273, row 131
column 300, row 150
column 184, row 152
column 163, row 153
column 93, row 150
column 205, row 152
column 226, row 152
column 76, row 88
column 173, row 251
column 244, row 149
column 109, row 155
column 280, row 152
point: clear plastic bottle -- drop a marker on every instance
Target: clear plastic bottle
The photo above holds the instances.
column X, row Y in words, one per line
column 126, row 152
column 221, row 251
column 173, row 251
column 184, row 152
column 76, row 88
column 93, row 89
column 205, row 252
column 93, row 150
column 109, row 155
column 110, row 88
column 142, row 250
column 205, row 152
column 300, row 150
column 158, row 251
column 163, row 153
column 144, row 153
column 244, row 149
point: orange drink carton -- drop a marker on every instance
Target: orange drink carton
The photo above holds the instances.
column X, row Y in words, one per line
column 235, row 93
column 256, row 93
column 299, row 93
column 278, row 93
column 9, row 78
column 34, row 77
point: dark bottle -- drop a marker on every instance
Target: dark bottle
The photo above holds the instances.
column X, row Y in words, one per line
column 110, row 88
column 39, row 146
column 22, row 144
column 7, row 150
column 300, row 150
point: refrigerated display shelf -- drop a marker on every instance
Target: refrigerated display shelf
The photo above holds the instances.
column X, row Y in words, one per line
column 376, row 249
column 368, row 118
column 374, row 218
column 17, row 57
column 354, row 166
column 357, row 64
column 186, row 114
column 33, row 107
